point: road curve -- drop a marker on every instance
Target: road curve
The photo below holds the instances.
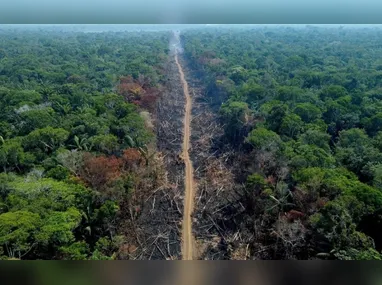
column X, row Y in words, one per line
column 187, row 236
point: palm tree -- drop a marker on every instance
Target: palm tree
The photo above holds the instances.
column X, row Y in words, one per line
column 283, row 193
column 142, row 148
column 45, row 91
column 82, row 144
column 65, row 108
column 83, row 109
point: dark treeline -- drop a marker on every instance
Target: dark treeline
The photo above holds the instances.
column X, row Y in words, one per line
column 76, row 139
column 303, row 110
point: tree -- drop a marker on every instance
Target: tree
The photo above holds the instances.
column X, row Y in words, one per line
column 5, row 130
column 353, row 138
column 302, row 155
column 12, row 155
column 72, row 160
column 132, row 158
column 294, row 61
column 82, row 144
column 368, row 254
column 374, row 124
column 36, row 119
column 289, row 94
column 43, row 195
column 333, row 92
column 315, row 137
column 263, row 139
column 238, row 74
column 24, row 97
column 132, row 126
column 256, row 195
column 47, row 139
column 252, row 93
column 377, row 141
column 130, row 89
column 107, row 248
column 17, row 232
column 275, row 117
column 107, row 144
column 58, row 228
column 291, row 125
column 336, row 224
column 377, row 176
column 311, row 180
column 308, row 112
column 235, row 116
column 355, row 151
column 101, row 170
column 75, row 251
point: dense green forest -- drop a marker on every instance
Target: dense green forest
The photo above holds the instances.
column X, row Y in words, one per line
column 302, row 107
column 75, row 137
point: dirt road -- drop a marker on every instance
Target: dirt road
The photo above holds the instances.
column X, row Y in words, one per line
column 187, row 237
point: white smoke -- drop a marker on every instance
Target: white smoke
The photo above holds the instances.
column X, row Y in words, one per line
column 175, row 44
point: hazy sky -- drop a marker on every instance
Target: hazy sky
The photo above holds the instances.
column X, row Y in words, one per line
column 190, row 11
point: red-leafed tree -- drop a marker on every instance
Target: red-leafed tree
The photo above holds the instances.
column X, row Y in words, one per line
column 148, row 100
column 139, row 92
column 130, row 89
column 99, row 171
column 132, row 159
